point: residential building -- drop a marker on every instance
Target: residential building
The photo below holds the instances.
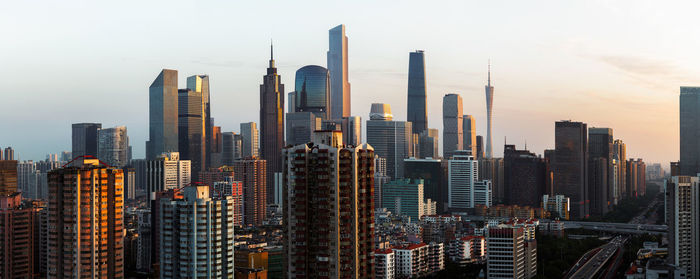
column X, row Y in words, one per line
column 9, row 154
column 411, row 260
column 557, row 205
column 436, row 257
column 207, row 224
column 167, row 172
column 162, row 115
column 467, row 249
column 390, row 139
column 252, row 172
column 86, row 213
column 417, row 97
column 384, row 264
column 683, row 223
column 8, row 177
column 452, row 122
column 18, row 241
column 505, row 252
column 234, row 189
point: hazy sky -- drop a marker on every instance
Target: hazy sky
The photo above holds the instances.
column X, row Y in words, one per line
column 616, row 64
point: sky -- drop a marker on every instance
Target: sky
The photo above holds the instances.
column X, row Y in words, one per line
column 616, row 64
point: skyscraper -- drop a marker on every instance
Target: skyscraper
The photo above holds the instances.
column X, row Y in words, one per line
column 479, row 147
column 620, row 154
column 162, row 115
column 231, row 147
column 191, row 133
column 417, row 96
column 200, row 84
column 601, row 178
column 452, row 133
column 405, row 197
column 429, row 144
column 489, row 114
column 689, row 130
column 338, row 71
column 683, row 236
column 313, row 91
column 469, row 130
column 207, row 225
column 291, row 102
column 462, row 175
column 352, row 130
column 9, row 153
column 8, row 177
column 524, row 177
column 301, row 126
column 113, row 146
column 571, row 165
column 252, row 172
column 86, row 235
column 329, row 211
column 272, row 123
column 85, row 139
column 390, row 139
column 249, row 140
column 433, row 172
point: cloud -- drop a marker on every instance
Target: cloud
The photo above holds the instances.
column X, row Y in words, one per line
column 655, row 73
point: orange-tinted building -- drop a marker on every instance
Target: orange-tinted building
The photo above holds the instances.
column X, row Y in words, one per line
column 17, row 238
column 253, row 173
column 8, row 177
column 251, row 259
column 86, row 231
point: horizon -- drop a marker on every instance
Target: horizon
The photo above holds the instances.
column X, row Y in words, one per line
column 624, row 73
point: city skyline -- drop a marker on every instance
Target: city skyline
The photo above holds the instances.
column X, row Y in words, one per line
column 613, row 84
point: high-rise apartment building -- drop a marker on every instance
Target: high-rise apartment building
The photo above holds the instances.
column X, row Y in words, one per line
column 8, row 177
column 272, row 123
column 429, row 141
column 86, row 237
column 9, row 154
column 571, row 165
column 162, row 115
column 384, row 264
column 19, row 237
column 167, row 172
column 249, row 140
column 683, row 204
column 469, row 132
column 337, row 58
column 191, row 129
column 329, row 211
column 206, row 223
column 231, row 188
column 313, row 91
column 557, row 205
column 252, row 172
column 524, row 177
column 85, row 139
column 417, row 96
column 489, row 115
column 390, row 139
column 113, row 146
column 635, row 178
column 452, row 122
column 620, row 155
column 200, row 84
column 505, row 252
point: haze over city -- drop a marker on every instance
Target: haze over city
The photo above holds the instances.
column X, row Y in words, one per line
column 615, row 65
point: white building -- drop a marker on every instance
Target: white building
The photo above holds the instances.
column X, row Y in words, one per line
column 113, row 146
column 483, row 193
column 436, row 257
column 411, row 260
column 467, row 249
column 168, row 172
column 463, row 172
column 683, row 235
column 384, row 264
column 505, row 252
column 196, row 235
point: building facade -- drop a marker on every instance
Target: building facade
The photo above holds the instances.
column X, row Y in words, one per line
column 162, row 115
column 337, row 59
column 571, row 166
column 452, row 125
column 390, row 139
column 689, row 130
column 167, row 172
column 523, row 175
column 113, row 146
column 18, row 251
column 191, row 129
column 253, row 173
column 417, row 106
column 684, row 211
column 313, row 91
column 84, row 139
column 249, row 140
column 271, row 123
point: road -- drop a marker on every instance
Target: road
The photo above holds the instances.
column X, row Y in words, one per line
column 597, row 260
column 617, row 227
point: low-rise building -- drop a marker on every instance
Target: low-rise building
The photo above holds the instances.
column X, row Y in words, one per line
column 384, row 264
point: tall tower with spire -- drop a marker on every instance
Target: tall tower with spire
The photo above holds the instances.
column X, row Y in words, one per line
column 489, row 113
column 272, row 123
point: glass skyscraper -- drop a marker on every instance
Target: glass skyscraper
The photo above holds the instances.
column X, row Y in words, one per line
column 312, row 86
column 191, row 129
column 417, row 105
column 162, row 115
column 452, row 122
column 690, row 130
column 337, row 58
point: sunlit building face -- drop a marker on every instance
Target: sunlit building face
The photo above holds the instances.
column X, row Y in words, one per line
column 313, row 91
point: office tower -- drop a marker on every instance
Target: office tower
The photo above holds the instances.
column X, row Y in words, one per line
column 505, row 252
column 9, row 154
column 191, row 133
column 337, row 58
column 312, row 87
column 167, row 172
column 689, row 130
column 87, row 224
column 469, row 132
column 216, row 147
column 571, row 165
column 452, row 133
column 479, row 147
column 26, row 179
column 462, row 174
column 249, row 140
column 252, row 172
column 620, row 154
column 675, row 168
column 84, row 139
column 291, row 102
column 433, row 172
column 428, row 144
column 683, row 223
column 271, row 123
column 162, row 115
column 489, row 114
column 19, row 237
column 557, row 205
column 329, row 211
column 404, row 197
column 207, row 224
column 415, row 145
column 200, row 84
column 601, row 179
column 493, row 170
column 113, row 146
column 523, row 177
column 232, row 145
column 66, row 156
column 8, row 177
column 352, row 130
column 417, row 96
column 301, row 127
column 390, row 139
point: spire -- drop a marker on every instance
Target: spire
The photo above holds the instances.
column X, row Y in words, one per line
column 272, row 59
column 489, row 72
